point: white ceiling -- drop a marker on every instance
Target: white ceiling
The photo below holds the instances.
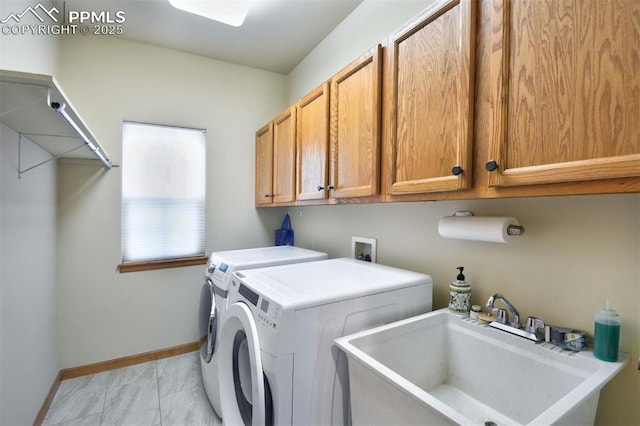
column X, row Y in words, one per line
column 276, row 35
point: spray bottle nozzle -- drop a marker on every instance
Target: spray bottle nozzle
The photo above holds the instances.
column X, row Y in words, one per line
column 460, row 276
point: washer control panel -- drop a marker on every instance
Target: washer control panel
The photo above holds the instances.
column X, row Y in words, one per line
column 218, row 271
column 268, row 313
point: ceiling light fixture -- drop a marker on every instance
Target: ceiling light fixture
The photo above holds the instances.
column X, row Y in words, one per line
column 230, row 12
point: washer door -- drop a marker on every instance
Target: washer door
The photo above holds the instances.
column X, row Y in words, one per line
column 207, row 321
column 245, row 395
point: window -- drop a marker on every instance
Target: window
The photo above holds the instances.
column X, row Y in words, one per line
column 163, row 194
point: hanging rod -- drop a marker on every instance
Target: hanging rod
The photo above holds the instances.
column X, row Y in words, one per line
column 92, row 145
column 56, row 100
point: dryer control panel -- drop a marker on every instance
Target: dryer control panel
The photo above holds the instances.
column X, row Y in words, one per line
column 267, row 312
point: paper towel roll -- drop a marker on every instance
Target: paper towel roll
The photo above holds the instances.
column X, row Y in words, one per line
column 478, row 228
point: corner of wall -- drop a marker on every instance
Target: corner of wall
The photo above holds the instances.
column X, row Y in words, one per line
column 23, row 48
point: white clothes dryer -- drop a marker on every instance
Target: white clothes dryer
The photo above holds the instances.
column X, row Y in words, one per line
column 278, row 361
column 213, row 299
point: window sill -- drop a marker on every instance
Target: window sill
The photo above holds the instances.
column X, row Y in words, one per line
column 161, row 264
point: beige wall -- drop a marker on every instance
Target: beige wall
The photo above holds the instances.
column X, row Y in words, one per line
column 104, row 314
column 28, row 332
column 27, row 52
column 576, row 252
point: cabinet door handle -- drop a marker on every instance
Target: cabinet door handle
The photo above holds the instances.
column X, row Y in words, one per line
column 491, row 165
column 269, row 195
column 319, row 187
column 330, row 187
column 456, row 170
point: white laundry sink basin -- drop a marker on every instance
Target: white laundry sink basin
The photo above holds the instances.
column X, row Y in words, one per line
column 438, row 368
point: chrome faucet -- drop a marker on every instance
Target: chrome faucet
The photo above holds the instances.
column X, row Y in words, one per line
column 532, row 325
column 512, row 309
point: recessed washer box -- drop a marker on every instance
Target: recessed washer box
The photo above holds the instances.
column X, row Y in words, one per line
column 363, row 248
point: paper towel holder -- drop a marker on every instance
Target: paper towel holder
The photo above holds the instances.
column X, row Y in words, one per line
column 512, row 230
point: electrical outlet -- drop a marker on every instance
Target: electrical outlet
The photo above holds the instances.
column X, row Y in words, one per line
column 363, row 248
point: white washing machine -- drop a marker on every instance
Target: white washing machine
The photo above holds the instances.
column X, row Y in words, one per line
column 213, row 299
column 278, row 361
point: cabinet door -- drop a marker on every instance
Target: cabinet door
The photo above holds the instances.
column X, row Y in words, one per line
column 312, row 144
column 428, row 145
column 284, row 156
column 567, row 91
column 355, row 127
column 264, row 165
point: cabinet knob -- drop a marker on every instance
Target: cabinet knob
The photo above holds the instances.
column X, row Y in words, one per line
column 456, row 170
column 491, row 165
column 319, row 187
column 330, row 187
column 269, row 195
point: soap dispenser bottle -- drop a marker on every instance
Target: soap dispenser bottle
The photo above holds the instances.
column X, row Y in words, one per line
column 606, row 335
column 460, row 295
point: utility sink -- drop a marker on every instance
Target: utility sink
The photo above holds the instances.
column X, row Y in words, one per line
column 438, row 368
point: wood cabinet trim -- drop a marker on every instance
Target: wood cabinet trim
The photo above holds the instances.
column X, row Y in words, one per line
column 313, row 95
column 286, row 194
column 371, row 58
column 609, row 167
column 394, row 185
column 599, row 168
column 263, row 194
column 490, row 102
column 499, row 71
column 322, row 174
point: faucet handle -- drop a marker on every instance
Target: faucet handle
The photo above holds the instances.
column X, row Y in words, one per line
column 501, row 315
column 533, row 324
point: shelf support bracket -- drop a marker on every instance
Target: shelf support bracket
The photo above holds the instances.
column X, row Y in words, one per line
column 22, row 171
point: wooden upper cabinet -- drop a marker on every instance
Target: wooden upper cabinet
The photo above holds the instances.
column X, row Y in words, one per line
column 566, row 91
column 284, row 156
column 355, row 127
column 429, row 101
column 264, row 165
column 312, row 144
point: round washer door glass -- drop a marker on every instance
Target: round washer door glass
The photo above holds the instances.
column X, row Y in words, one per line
column 207, row 321
column 247, row 400
column 242, row 382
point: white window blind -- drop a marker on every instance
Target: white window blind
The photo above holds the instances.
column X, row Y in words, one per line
column 163, row 192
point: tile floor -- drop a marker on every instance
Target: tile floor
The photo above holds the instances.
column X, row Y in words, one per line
column 166, row 392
